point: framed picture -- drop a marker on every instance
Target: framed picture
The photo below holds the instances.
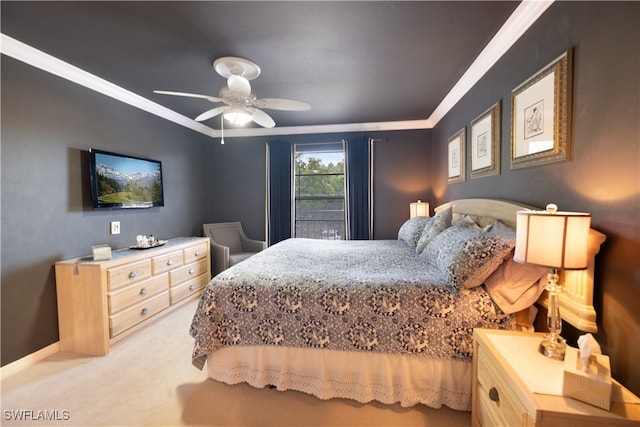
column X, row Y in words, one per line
column 541, row 116
column 485, row 143
column 457, row 145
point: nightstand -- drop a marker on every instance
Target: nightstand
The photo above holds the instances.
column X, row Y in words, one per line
column 514, row 385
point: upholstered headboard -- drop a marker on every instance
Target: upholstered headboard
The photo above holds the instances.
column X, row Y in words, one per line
column 576, row 302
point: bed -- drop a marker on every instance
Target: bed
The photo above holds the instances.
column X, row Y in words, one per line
column 384, row 320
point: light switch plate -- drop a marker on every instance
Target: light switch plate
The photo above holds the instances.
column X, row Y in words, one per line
column 115, row 227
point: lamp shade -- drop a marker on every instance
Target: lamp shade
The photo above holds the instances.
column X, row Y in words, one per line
column 418, row 208
column 552, row 239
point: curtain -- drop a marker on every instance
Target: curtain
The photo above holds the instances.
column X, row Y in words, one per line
column 359, row 191
column 278, row 191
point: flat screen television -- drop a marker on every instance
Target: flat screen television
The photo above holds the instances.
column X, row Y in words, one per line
column 122, row 181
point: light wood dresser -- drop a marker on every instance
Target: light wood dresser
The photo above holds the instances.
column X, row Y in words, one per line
column 507, row 366
column 100, row 302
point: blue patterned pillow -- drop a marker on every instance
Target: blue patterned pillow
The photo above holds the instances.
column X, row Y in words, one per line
column 466, row 257
column 440, row 222
column 412, row 229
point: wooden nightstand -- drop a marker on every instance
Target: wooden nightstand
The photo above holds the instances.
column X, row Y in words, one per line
column 507, row 368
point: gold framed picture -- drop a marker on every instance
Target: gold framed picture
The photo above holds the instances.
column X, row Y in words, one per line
column 485, row 143
column 457, row 164
column 541, row 116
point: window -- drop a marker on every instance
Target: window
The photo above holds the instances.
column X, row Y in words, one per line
column 319, row 191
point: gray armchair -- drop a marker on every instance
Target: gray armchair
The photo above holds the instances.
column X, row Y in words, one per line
column 229, row 244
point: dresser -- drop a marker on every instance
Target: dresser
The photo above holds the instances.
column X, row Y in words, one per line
column 100, row 302
column 507, row 368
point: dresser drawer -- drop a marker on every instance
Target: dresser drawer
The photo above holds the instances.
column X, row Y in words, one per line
column 166, row 262
column 137, row 292
column 498, row 405
column 137, row 313
column 190, row 271
column 195, row 253
column 189, row 288
column 127, row 274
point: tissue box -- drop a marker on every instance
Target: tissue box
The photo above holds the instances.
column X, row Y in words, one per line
column 593, row 386
column 101, row 252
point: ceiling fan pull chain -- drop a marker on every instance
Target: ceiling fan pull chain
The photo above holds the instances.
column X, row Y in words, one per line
column 221, row 129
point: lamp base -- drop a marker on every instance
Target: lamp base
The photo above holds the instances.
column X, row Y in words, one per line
column 553, row 346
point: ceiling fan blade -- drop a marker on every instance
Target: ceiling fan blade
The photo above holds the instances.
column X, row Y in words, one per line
column 239, row 84
column 211, row 113
column 190, row 95
column 263, row 119
column 282, row 104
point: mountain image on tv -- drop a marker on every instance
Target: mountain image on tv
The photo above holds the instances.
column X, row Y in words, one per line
column 128, row 181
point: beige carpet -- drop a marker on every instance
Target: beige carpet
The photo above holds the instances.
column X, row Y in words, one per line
column 148, row 380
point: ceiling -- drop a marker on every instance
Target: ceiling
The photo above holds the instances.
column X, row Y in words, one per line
column 354, row 62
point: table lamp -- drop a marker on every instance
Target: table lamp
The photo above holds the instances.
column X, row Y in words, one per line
column 418, row 208
column 557, row 240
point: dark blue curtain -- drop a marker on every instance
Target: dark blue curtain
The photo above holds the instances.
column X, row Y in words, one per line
column 279, row 215
column 358, row 186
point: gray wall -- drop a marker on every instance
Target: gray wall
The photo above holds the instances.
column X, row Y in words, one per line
column 603, row 176
column 48, row 124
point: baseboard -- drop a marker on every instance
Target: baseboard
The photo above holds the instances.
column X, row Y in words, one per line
column 29, row 360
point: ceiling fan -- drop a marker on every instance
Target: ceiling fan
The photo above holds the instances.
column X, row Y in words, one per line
column 241, row 105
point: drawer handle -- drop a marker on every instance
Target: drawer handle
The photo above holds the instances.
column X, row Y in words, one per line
column 144, row 311
column 170, row 262
column 191, row 271
column 132, row 275
column 493, row 394
column 143, row 291
column 197, row 253
column 192, row 287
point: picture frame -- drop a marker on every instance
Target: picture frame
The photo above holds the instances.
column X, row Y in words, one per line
column 541, row 116
column 485, row 143
column 456, row 157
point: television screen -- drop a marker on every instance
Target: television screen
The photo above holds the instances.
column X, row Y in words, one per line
column 121, row 181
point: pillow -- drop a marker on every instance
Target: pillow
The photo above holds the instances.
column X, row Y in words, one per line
column 439, row 223
column 514, row 286
column 480, row 220
column 411, row 230
column 466, row 257
column 467, row 221
column 499, row 227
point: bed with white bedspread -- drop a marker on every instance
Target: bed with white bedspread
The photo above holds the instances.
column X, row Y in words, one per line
column 386, row 320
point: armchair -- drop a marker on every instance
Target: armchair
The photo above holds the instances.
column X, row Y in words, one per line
column 229, row 244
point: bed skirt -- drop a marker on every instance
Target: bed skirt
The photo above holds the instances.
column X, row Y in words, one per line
column 364, row 377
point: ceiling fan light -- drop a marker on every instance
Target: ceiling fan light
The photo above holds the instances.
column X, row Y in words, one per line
column 238, row 116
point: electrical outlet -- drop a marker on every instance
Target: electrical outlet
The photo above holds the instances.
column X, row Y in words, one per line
column 115, row 227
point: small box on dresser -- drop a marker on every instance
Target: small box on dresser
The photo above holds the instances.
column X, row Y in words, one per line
column 504, row 363
column 100, row 302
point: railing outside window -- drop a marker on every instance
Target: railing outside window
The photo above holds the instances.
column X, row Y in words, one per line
column 319, row 191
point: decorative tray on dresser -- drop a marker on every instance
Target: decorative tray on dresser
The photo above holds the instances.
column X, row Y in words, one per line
column 514, row 385
column 100, row 302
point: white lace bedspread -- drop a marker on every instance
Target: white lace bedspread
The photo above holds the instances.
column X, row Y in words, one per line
column 361, row 296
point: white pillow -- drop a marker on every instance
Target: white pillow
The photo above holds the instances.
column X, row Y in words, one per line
column 502, row 229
